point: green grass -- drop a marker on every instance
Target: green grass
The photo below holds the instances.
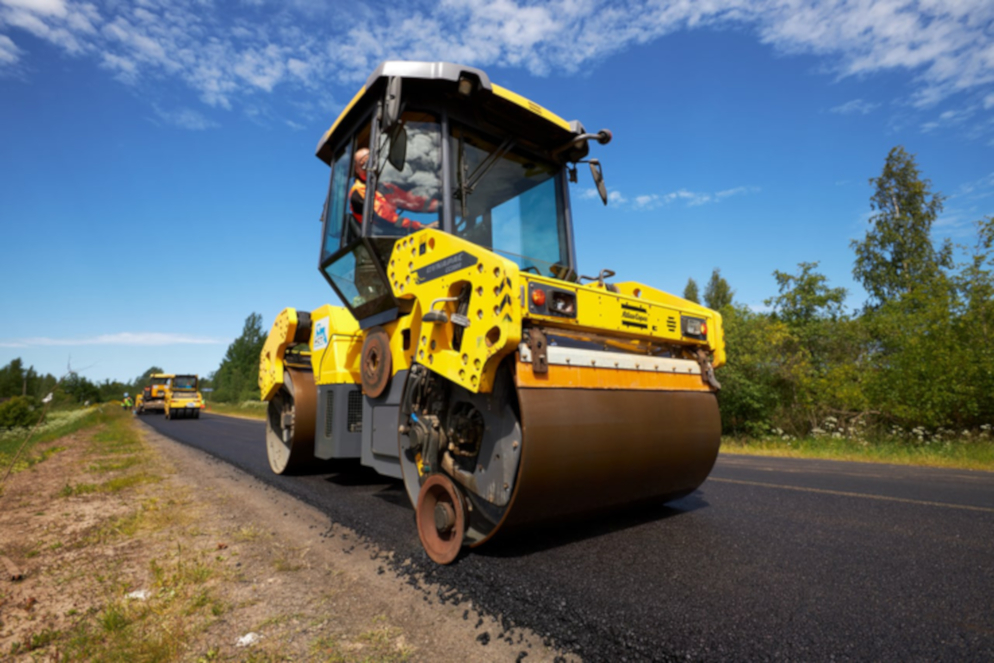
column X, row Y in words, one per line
column 182, row 602
column 70, row 490
column 114, row 465
column 971, row 452
column 117, row 446
column 38, row 640
column 57, row 424
column 246, row 409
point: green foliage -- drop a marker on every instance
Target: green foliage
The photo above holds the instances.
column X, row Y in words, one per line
column 718, row 294
column 920, row 357
column 897, row 252
column 15, row 380
column 144, row 377
column 81, row 390
column 748, row 398
column 804, row 297
column 18, row 412
column 237, row 379
column 690, row 292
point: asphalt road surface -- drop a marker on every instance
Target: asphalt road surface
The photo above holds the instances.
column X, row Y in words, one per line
column 772, row 559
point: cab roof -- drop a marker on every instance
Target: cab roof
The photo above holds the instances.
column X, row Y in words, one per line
column 439, row 81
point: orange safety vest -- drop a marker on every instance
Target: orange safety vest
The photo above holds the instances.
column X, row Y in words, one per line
column 381, row 207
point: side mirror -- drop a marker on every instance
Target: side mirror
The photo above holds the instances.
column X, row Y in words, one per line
column 598, row 175
column 391, row 105
column 398, row 147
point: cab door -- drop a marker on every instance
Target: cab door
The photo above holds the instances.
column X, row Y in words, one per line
column 399, row 198
column 349, row 261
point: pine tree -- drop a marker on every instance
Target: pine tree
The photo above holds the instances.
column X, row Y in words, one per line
column 690, row 292
column 718, row 294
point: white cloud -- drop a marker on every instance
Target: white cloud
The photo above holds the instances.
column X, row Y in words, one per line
column 646, row 202
column 185, row 118
column 650, row 201
column 950, row 219
column 121, row 338
column 9, row 52
column 855, row 107
column 691, row 198
column 737, row 191
column 224, row 54
column 43, row 7
column 949, row 118
column 981, row 188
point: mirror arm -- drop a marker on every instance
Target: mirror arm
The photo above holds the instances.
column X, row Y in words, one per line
column 603, row 137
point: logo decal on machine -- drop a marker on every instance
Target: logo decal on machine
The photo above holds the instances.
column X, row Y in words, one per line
column 445, row 266
column 634, row 316
column 321, row 334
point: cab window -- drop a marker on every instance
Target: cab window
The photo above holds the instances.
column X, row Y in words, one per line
column 509, row 201
column 342, row 220
column 409, row 199
column 184, row 382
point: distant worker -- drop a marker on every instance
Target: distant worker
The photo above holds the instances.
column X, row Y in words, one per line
column 385, row 214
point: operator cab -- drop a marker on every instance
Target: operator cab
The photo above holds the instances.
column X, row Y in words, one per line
column 449, row 150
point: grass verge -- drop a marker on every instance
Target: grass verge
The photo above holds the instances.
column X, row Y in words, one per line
column 245, row 409
column 57, row 425
column 84, row 541
column 128, row 556
column 970, row 453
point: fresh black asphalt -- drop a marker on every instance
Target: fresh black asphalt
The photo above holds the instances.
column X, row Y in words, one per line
column 772, row 559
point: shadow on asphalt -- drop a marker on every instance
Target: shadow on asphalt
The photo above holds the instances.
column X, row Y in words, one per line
column 395, row 494
column 351, row 474
column 538, row 538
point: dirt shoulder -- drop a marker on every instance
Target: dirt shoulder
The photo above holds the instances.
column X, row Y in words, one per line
column 144, row 549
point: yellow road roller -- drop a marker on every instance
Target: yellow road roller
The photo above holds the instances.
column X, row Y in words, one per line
column 153, row 397
column 471, row 359
column 182, row 399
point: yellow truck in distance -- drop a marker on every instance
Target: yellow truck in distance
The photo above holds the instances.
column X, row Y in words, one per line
column 153, row 397
column 182, row 400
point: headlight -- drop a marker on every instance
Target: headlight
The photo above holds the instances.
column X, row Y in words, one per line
column 694, row 327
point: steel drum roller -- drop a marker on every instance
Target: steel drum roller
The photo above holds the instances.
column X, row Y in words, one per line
column 585, row 451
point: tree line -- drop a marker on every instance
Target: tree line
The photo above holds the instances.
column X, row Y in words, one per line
column 18, row 381
column 918, row 353
column 22, row 391
column 236, row 380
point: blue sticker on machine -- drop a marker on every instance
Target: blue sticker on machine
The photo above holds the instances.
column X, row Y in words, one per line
column 445, row 266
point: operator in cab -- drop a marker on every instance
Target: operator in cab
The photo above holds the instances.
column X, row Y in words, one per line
column 385, row 215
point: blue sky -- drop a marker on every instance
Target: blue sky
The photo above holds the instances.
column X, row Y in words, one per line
column 158, row 183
